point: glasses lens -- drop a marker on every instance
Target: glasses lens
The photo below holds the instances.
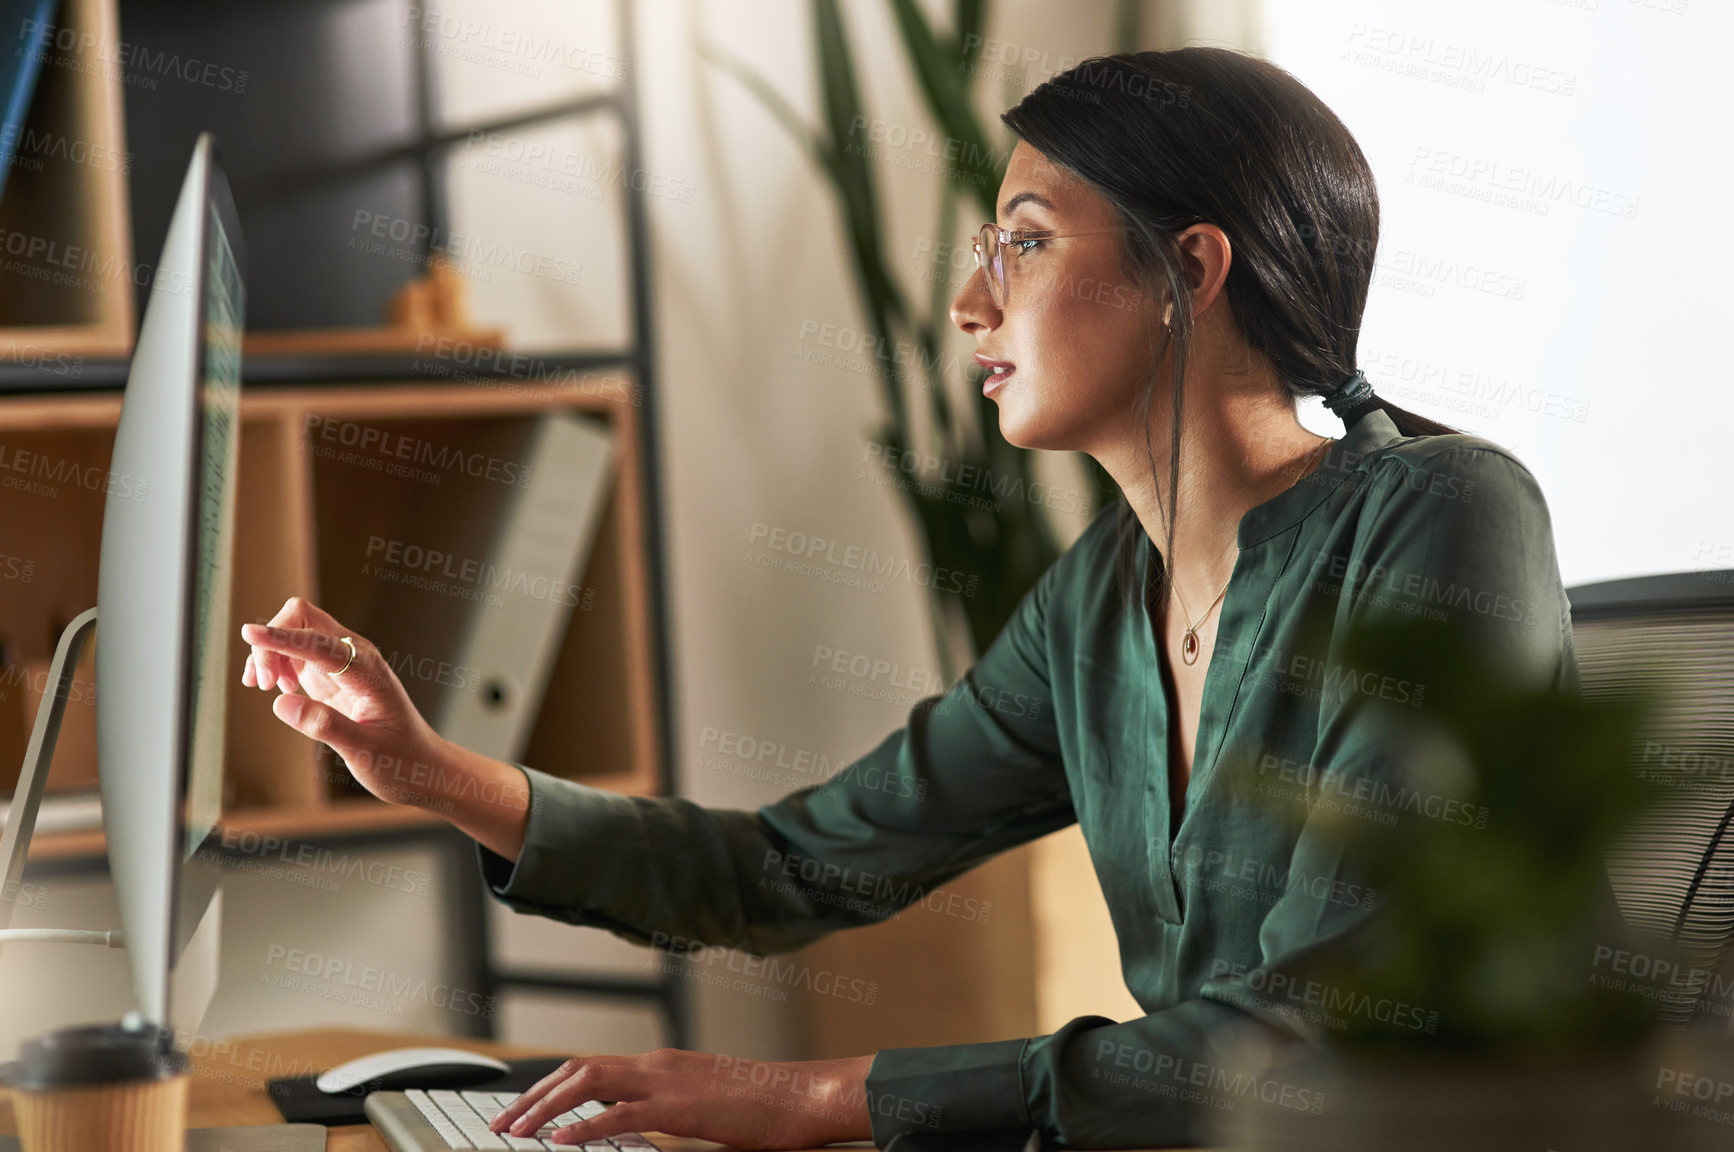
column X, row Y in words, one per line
column 992, row 266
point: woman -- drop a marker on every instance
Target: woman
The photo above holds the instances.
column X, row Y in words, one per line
column 1188, row 239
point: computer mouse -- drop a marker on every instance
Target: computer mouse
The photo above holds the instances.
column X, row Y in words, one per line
column 402, row 1068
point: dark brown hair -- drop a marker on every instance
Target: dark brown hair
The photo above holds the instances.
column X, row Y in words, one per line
column 1191, row 135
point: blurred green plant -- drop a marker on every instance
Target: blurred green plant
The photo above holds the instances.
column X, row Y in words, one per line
column 1004, row 541
column 1491, row 923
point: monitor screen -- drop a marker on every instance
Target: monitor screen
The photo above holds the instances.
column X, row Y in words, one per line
column 163, row 594
column 221, row 309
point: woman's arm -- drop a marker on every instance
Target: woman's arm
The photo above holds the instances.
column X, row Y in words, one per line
column 973, row 772
column 486, row 799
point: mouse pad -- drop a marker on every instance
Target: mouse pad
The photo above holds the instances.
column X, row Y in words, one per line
column 264, row 1138
column 301, row 1101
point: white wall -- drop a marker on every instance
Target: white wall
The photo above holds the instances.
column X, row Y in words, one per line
column 1553, row 177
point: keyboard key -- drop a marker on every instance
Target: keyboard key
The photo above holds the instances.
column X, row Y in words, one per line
column 487, row 1103
column 483, row 1139
column 438, row 1120
column 462, row 1117
column 468, row 1121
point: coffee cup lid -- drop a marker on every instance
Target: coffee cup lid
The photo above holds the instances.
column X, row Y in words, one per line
column 95, row 1054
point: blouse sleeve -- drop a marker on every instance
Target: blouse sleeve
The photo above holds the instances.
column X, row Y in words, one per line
column 975, row 771
column 1155, row 1080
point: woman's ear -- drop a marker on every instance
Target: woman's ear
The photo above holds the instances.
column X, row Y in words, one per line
column 1205, row 257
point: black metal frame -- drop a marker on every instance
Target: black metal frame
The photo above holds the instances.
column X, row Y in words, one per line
column 1707, row 590
column 468, row 907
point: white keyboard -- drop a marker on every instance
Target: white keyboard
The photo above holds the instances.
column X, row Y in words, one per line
column 461, row 1119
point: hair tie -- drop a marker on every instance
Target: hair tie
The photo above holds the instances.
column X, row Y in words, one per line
column 1352, row 393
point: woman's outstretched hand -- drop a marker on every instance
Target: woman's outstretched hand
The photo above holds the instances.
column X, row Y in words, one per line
column 362, row 712
column 359, row 709
column 742, row 1103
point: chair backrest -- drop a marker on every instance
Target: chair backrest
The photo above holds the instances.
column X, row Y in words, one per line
column 1674, row 874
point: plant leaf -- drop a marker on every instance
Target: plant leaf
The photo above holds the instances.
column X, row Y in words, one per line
column 843, row 120
column 941, row 80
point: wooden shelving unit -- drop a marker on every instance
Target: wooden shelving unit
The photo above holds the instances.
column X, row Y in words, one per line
column 63, row 361
column 68, row 291
column 298, row 535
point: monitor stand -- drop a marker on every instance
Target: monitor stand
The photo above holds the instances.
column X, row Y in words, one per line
column 27, row 797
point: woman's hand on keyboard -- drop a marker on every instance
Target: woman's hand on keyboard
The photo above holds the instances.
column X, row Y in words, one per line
column 743, row 1103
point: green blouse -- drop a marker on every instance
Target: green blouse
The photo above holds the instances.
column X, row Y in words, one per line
column 1065, row 718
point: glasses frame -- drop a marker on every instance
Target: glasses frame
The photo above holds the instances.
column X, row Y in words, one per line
column 998, row 289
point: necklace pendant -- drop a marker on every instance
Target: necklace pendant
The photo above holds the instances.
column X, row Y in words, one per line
column 1189, row 647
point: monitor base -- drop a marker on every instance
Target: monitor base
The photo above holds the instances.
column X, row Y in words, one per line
column 27, row 797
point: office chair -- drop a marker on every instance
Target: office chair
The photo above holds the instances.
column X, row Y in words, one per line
column 1673, row 876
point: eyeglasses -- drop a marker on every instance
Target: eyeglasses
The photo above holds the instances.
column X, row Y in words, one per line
column 992, row 262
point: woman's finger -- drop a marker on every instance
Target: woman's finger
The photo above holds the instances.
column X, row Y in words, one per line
column 593, row 1081
column 325, row 652
column 318, row 617
column 254, row 675
column 293, row 614
column 535, row 1092
column 296, row 613
column 299, row 613
column 323, row 723
column 635, row 1116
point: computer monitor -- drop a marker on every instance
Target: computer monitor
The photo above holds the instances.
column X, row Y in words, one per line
column 163, row 631
column 162, row 657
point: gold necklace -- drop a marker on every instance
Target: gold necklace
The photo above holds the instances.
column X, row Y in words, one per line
column 1189, row 642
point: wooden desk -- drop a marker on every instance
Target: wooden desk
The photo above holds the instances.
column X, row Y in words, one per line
column 228, row 1086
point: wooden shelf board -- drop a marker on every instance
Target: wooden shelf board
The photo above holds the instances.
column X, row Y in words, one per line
column 94, row 341
column 348, row 341
column 410, row 399
column 422, row 400
column 43, row 412
column 311, row 822
column 336, row 818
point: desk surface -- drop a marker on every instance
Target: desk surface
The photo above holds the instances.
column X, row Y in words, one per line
column 228, row 1085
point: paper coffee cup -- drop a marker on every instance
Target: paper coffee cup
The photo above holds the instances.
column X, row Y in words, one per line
column 102, row 1086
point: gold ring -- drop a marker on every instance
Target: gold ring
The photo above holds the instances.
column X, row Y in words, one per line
column 351, row 644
